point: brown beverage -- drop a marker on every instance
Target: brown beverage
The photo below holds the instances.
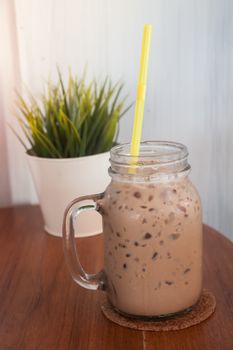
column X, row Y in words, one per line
column 152, row 226
column 153, row 246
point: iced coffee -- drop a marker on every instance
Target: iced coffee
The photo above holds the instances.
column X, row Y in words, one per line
column 153, row 238
column 153, row 247
column 152, row 227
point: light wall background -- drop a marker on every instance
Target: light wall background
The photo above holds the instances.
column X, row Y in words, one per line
column 190, row 88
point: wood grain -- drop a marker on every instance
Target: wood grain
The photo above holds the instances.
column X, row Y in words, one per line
column 42, row 308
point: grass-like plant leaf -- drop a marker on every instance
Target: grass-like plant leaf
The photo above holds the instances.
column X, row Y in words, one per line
column 76, row 120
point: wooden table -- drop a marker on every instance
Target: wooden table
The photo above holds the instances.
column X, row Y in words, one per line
column 42, row 308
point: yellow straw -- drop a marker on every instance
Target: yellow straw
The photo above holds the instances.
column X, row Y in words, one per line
column 141, row 92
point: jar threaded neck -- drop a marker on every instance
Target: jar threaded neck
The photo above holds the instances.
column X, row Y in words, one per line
column 155, row 159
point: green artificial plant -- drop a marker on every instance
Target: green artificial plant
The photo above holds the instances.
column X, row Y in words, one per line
column 76, row 120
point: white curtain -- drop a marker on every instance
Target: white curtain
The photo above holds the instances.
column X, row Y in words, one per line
column 190, row 86
column 15, row 183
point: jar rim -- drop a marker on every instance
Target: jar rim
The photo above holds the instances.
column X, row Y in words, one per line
column 151, row 152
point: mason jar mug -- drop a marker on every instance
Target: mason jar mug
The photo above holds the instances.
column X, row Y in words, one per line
column 152, row 228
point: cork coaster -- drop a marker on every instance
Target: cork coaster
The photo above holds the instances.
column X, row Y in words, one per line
column 199, row 313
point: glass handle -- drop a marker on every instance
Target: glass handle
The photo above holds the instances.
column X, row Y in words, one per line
column 89, row 281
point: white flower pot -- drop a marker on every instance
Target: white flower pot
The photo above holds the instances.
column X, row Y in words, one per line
column 58, row 181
